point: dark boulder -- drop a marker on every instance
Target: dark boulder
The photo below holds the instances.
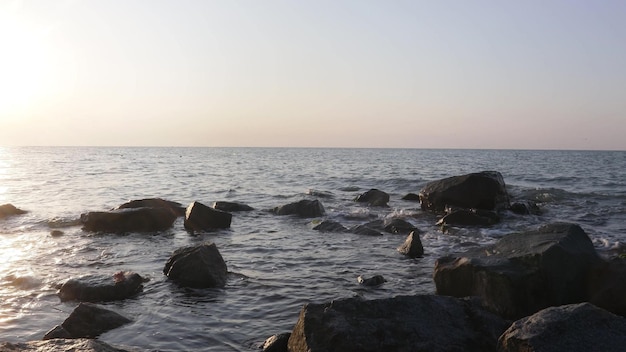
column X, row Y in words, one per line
column 276, row 343
column 9, row 210
column 375, row 280
column 129, row 220
column 175, row 207
column 411, row 197
column 607, row 286
column 330, row 226
column 100, row 288
column 469, row 217
column 200, row 266
column 522, row 273
column 575, row 327
column 231, row 206
column 392, row 225
column 199, row 217
column 304, row 208
column 525, row 208
column 364, row 230
column 60, row 344
column 87, row 321
column 403, row 323
column 373, row 197
column 483, row 190
column 412, row 246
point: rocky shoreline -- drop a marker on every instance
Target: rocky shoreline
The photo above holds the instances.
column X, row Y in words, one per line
column 510, row 296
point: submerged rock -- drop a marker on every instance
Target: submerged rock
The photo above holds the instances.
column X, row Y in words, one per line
column 60, row 344
column 364, row 230
column 411, row 197
column 525, row 208
column 469, row 217
column 373, row 197
column 575, row 327
column 175, row 207
column 129, row 220
column 304, row 208
column 375, row 280
column 9, row 210
column 412, row 246
column 87, row 321
column 231, row 206
column 404, row 323
column 200, row 266
column 330, row 226
column 483, row 190
column 199, row 217
column 101, row 288
column 523, row 272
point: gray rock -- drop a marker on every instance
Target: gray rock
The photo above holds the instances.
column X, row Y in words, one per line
column 523, row 272
column 60, row 344
column 575, row 327
column 373, row 197
column 200, row 266
column 101, row 288
column 484, row 190
column 231, row 206
column 175, row 207
column 87, row 321
column 403, row 323
column 412, row 246
column 330, row 226
column 304, row 208
column 200, row 217
column 129, row 220
column 9, row 210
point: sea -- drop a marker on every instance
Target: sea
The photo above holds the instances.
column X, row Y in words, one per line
column 276, row 264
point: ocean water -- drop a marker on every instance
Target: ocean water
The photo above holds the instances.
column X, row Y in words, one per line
column 276, row 263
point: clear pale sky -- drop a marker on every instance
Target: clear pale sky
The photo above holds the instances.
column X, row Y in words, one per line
column 416, row 74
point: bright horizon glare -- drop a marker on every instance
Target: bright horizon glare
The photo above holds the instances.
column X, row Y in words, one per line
column 406, row 74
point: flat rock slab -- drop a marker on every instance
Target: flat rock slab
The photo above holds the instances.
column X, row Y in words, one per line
column 61, row 345
column 129, row 220
column 404, row 323
column 87, row 321
column 101, row 288
column 175, row 207
column 523, row 272
column 304, row 208
column 577, row 327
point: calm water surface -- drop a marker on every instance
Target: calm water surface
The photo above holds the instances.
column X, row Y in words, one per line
column 276, row 264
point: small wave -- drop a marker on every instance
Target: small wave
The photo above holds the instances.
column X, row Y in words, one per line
column 25, row 282
column 57, row 223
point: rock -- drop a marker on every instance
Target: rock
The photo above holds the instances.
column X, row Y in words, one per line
column 411, row 197
column 575, row 327
column 403, row 323
column 412, row 246
column 522, row 273
column 469, row 217
column 199, row 217
column 607, row 286
column 175, row 207
column 484, row 190
column 394, row 225
column 276, row 343
column 364, row 230
column 525, row 208
column 330, row 226
column 100, row 288
column 200, row 266
column 375, row 280
column 373, row 197
column 319, row 194
column 59, row 344
column 56, row 233
column 231, row 206
column 129, row 220
column 87, row 321
column 9, row 210
column 303, row 208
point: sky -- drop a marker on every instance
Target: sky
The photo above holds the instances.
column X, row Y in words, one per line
column 381, row 74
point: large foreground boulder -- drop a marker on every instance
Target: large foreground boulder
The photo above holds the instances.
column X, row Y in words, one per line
column 607, row 286
column 304, row 208
column 129, row 220
column 9, row 210
column 174, row 207
column 200, row 217
column 373, row 197
column 101, row 288
column 483, row 190
column 200, row 266
column 578, row 327
column 523, row 272
column 73, row 345
column 87, row 321
column 404, row 323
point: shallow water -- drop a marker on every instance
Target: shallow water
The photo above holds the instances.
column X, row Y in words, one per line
column 276, row 263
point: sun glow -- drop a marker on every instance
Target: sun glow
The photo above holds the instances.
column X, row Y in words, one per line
column 23, row 64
